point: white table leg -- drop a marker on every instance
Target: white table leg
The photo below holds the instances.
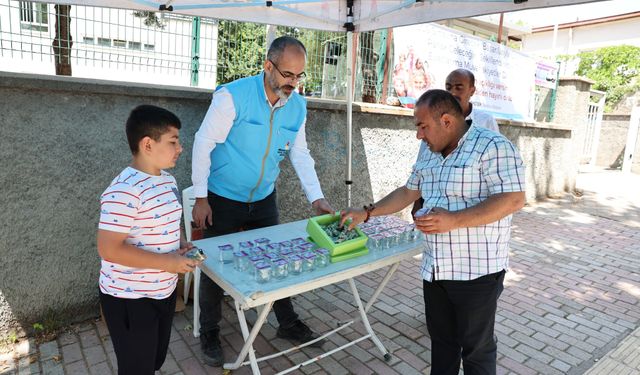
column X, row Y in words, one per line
column 380, row 287
column 249, row 337
column 365, row 320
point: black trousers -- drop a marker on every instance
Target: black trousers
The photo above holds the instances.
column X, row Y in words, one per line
column 460, row 319
column 140, row 330
column 231, row 216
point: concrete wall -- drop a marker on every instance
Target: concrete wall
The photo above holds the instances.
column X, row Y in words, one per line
column 63, row 141
column 571, row 109
column 613, row 140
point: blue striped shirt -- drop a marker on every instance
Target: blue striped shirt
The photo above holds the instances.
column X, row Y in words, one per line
column 484, row 163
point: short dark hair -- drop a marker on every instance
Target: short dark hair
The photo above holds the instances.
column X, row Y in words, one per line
column 466, row 73
column 280, row 44
column 440, row 102
column 149, row 121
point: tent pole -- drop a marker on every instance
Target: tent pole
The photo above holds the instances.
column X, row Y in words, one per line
column 349, row 112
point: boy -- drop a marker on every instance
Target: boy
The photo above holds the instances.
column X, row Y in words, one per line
column 140, row 244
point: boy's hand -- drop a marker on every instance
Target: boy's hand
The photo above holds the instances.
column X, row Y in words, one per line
column 357, row 216
column 202, row 214
column 185, row 247
column 177, row 263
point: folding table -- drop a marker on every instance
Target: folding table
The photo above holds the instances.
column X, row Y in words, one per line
column 248, row 294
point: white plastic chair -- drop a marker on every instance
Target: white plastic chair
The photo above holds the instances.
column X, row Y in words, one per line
column 188, row 201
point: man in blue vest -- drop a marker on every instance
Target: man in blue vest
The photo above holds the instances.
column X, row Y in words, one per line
column 251, row 125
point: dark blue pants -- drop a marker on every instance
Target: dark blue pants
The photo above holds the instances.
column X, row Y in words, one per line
column 140, row 330
column 460, row 319
column 231, row 216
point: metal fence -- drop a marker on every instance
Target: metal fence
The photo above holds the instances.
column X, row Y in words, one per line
column 162, row 48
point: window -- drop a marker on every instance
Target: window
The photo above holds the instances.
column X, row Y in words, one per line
column 88, row 40
column 135, row 45
column 34, row 16
column 149, row 47
column 104, row 42
column 119, row 43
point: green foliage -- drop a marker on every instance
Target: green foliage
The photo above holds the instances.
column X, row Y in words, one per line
column 615, row 70
column 8, row 340
column 150, row 19
column 241, row 50
column 38, row 327
column 314, row 41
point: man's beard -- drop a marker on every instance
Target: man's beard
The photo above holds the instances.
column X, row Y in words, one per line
column 278, row 89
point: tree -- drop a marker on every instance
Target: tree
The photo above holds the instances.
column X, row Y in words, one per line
column 150, row 19
column 241, row 50
column 368, row 65
column 615, row 70
column 62, row 42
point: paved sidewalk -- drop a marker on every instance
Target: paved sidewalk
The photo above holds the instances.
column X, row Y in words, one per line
column 571, row 304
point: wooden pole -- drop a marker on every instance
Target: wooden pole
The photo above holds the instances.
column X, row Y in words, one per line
column 500, row 28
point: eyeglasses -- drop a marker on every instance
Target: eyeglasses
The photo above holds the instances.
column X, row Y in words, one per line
column 290, row 76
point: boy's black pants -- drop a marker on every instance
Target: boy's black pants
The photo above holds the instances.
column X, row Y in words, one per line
column 231, row 216
column 140, row 330
column 460, row 319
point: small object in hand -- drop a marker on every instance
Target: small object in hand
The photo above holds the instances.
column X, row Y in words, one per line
column 423, row 211
column 197, row 254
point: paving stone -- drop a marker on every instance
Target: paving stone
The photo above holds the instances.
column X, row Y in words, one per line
column 192, row 366
column 331, row 366
column 49, row 350
column 411, row 359
column 180, row 350
column 71, row 353
column 536, row 344
column 94, row 354
column 89, row 338
column 67, row 338
column 76, row 368
column 101, row 368
column 533, row 353
column 52, row 367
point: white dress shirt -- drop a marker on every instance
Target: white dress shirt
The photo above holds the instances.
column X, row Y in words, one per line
column 215, row 128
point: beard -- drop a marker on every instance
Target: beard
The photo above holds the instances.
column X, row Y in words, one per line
column 280, row 90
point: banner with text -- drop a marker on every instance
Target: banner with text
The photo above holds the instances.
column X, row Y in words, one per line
column 425, row 54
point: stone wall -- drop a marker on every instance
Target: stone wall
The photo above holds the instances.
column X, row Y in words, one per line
column 63, row 141
column 613, row 138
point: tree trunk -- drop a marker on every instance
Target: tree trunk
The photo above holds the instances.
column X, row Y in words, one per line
column 62, row 42
column 369, row 73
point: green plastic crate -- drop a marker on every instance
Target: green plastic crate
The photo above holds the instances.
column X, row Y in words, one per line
column 318, row 236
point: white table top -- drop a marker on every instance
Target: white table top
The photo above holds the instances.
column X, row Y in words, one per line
column 249, row 293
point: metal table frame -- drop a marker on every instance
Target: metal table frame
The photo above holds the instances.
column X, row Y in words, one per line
column 246, row 296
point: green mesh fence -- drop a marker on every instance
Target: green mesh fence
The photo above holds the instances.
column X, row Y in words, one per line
column 165, row 48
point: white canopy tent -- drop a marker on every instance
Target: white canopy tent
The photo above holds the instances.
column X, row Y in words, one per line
column 331, row 15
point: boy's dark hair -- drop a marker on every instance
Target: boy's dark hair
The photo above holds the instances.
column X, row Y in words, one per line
column 149, row 121
column 440, row 102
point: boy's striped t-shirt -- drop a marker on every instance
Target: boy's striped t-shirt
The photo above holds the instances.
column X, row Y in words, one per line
column 147, row 208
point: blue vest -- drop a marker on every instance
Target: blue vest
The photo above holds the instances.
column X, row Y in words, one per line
column 245, row 167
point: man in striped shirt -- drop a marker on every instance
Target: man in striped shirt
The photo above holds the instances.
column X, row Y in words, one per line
column 472, row 180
